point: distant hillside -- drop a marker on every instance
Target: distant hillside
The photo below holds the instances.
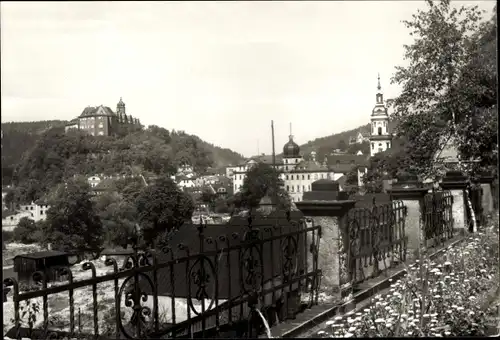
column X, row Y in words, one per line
column 30, row 141
column 18, row 137
column 221, row 156
column 331, row 142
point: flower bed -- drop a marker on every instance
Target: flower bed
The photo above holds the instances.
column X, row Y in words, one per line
column 444, row 297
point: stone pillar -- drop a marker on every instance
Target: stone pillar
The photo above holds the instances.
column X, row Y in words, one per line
column 328, row 207
column 456, row 183
column 486, row 181
column 412, row 194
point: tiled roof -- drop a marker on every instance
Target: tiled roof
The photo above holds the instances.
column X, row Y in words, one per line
column 92, row 110
column 72, row 122
column 342, row 168
column 310, row 165
column 88, row 111
column 333, row 160
column 267, row 159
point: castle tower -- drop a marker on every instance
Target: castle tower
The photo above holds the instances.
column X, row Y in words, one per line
column 380, row 136
column 120, row 107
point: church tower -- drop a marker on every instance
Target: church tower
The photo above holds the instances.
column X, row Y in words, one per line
column 380, row 137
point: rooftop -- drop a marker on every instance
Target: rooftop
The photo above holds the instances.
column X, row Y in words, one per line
column 43, row 254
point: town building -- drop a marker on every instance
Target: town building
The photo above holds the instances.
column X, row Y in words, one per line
column 297, row 172
column 381, row 137
column 102, row 121
column 360, row 138
column 11, row 220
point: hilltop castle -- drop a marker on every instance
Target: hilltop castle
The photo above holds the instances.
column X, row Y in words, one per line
column 102, row 121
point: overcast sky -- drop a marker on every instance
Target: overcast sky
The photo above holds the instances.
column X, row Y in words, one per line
column 220, row 70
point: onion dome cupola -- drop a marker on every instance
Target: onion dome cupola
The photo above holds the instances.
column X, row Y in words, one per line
column 379, row 109
column 291, row 149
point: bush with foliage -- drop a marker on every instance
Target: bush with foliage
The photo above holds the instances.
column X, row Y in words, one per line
column 7, row 236
column 261, row 180
column 161, row 208
column 443, row 297
column 26, row 231
column 72, row 222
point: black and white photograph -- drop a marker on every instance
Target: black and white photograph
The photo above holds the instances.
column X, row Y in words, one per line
column 249, row 169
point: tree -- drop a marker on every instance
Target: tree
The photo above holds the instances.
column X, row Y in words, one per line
column 208, row 197
column 162, row 207
column 438, row 84
column 221, row 206
column 352, row 177
column 25, row 231
column 72, row 222
column 261, row 180
column 342, row 145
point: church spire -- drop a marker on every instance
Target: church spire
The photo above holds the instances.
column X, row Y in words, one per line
column 379, row 95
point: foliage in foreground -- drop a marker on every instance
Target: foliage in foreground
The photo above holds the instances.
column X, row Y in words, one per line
column 261, row 180
column 446, row 303
column 448, row 87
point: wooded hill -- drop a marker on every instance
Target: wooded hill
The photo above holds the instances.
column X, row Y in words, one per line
column 40, row 153
column 328, row 143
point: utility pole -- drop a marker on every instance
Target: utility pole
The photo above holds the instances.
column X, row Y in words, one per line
column 272, row 138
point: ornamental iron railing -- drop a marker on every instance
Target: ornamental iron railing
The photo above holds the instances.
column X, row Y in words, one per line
column 437, row 215
column 376, row 235
column 209, row 281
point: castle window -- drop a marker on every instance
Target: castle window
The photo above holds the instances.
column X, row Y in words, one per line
column 286, row 176
column 298, row 188
column 303, row 188
column 303, row 177
column 379, row 131
column 308, row 176
column 291, row 177
column 297, row 160
column 373, row 146
column 287, row 188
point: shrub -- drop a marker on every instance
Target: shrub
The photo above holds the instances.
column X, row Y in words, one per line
column 445, row 301
column 25, row 231
column 7, row 236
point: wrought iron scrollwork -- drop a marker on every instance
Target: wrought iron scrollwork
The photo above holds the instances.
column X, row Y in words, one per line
column 201, row 277
column 132, row 293
column 290, row 258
